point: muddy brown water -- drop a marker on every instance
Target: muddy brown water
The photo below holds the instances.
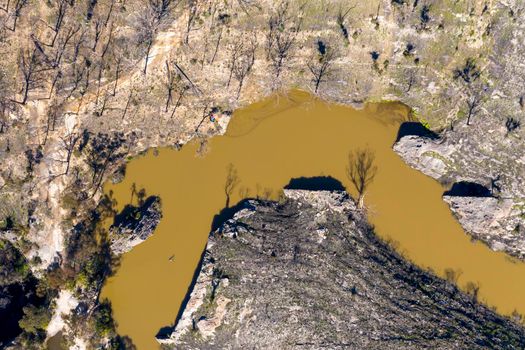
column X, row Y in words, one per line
column 269, row 143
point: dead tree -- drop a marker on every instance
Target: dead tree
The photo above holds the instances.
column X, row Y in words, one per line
column 130, row 96
column 110, row 11
column 148, row 25
column 54, row 110
column 98, row 31
column 223, row 19
column 63, row 44
column 282, row 33
column 410, row 75
column 108, row 43
column 6, row 8
column 341, row 18
column 61, row 12
column 361, row 171
column 235, row 52
column 171, row 82
column 19, row 5
column 474, row 100
column 232, row 180
column 117, row 74
column 69, row 142
column 244, row 64
column 321, row 66
column 182, row 88
column 28, row 63
column 192, row 15
column 161, row 7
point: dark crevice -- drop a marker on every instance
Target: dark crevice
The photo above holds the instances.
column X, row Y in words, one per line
column 468, row 189
column 415, row 129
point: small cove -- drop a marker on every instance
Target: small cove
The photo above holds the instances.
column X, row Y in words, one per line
column 266, row 145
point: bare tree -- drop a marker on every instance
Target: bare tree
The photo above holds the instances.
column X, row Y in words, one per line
column 117, row 74
column 283, row 29
column 182, row 88
column 411, row 78
column 341, row 18
column 69, row 142
column 148, row 26
column 170, row 84
column 98, row 31
column 61, row 7
column 321, row 65
column 232, row 181
column 28, row 62
column 474, row 100
column 223, row 19
column 161, row 7
column 361, row 171
column 19, row 5
column 130, row 96
column 243, row 66
column 192, row 15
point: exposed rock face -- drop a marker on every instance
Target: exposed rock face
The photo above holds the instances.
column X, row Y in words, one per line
column 498, row 222
column 135, row 224
column 310, row 273
column 428, row 156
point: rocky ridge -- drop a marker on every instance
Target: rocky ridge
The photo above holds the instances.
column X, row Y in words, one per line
column 309, row 272
column 134, row 225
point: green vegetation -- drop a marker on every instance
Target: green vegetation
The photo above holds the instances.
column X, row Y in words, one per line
column 13, row 265
column 103, row 319
column 35, row 319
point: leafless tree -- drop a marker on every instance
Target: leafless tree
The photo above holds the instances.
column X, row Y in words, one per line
column 161, row 7
column 117, row 74
column 69, row 142
column 243, row 65
column 472, row 288
column 130, row 96
column 232, row 181
column 182, row 88
column 321, row 65
column 222, row 20
column 28, row 62
column 474, row 100
column 19, row 5
column 63, row 42
column 171, row 79
column 411, row 78
column 108, row 43
column 341, row 19
column 98, row 31
column 54, row 110
column 110, row 11
column 61, row 8
column 283, row 29
column 361, row 171
column 452, row 275
column 148, row 26
column 192, row 15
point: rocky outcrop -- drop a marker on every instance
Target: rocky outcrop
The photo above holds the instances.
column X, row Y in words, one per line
column 500, row 223
column 426, row 155
column 135, row 224
column 310, row 273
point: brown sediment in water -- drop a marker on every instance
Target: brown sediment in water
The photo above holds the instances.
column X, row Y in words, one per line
column 269, row 143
